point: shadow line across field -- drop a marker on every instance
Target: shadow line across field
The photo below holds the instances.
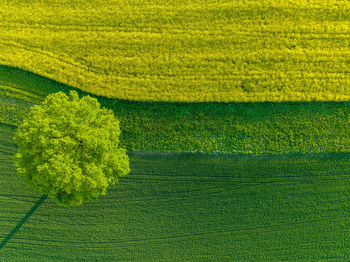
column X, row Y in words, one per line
column 24, row 219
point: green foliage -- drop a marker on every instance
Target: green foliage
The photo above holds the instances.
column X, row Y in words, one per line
column 69, row 149
column 188, row 51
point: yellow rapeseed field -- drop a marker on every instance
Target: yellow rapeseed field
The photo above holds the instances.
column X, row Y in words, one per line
column 190, row 51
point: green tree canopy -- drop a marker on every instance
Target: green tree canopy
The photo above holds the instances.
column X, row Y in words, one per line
column 68, row 149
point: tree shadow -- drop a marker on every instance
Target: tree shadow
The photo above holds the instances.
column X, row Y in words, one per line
column 24, row 219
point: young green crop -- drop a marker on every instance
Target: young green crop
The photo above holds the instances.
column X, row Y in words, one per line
column 69, row 149
column 191, row 207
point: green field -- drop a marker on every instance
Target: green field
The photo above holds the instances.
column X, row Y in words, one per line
column 188, row 207
column 184, row 51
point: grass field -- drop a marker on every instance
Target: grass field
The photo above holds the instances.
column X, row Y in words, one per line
column 184, row 51
column 188, row 207
column 258, row 128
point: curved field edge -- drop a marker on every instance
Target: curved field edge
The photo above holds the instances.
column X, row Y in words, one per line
column 254, row 128
column 193, row 207
column 316, row 127
column 183, row 51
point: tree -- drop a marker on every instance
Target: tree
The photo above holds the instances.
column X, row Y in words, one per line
column 68, row 149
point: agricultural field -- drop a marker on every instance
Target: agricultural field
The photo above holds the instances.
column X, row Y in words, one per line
column 235, row 116
column 184, row 51
column 176, row 207
column 253, row 128
column 226, row 207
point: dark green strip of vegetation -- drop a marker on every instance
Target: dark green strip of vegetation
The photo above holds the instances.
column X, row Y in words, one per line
column 258, row 128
